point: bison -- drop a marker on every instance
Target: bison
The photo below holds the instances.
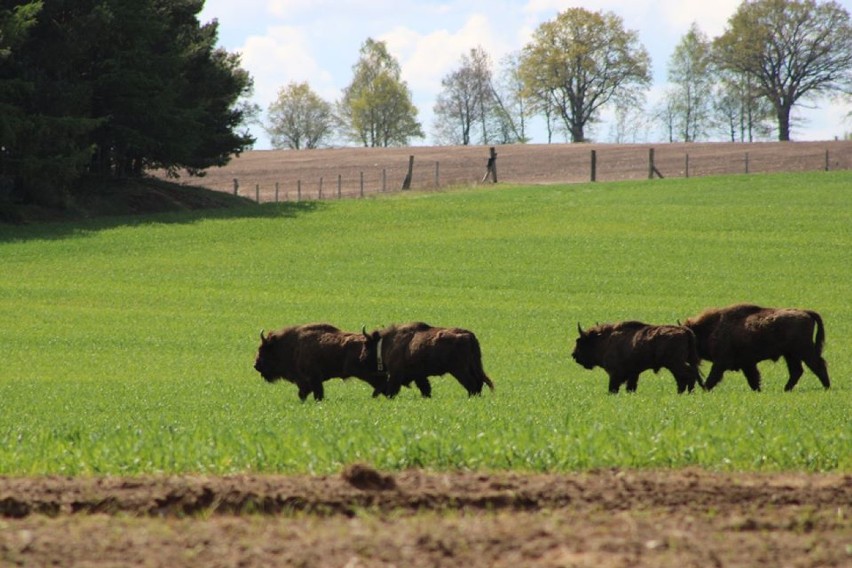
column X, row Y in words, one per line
column 415, row 351
column 307, row 355
column 738, row 337
column 627, row 348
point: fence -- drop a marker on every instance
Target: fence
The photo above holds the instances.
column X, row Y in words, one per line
column 358, row 172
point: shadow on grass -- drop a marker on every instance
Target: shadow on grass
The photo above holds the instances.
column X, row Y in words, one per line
column 145, row 204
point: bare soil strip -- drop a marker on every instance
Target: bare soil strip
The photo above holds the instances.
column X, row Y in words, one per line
column 416, row 518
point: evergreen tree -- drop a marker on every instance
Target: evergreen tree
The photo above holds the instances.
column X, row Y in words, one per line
column 115, row 87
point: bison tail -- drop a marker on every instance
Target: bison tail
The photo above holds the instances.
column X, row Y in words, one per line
column 695, row 359
column 476, row 364
column 820, row 334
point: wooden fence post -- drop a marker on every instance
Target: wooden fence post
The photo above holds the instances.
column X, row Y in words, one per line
column 384, row 180
column 276, row 192
column 339, row 184
column 236, row 186
column 652, row 169
column 362, row 184
column 438, row 179
column 686, row 165
column 826, row 159
column 746, row 162
column 594, row 165
column 406, row 183
column 298, row 190
column 257, row 192
column 320, row 188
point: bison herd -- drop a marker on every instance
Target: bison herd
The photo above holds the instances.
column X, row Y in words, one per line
column 734, row 338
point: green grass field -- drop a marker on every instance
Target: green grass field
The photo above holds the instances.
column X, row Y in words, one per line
column 126, row 345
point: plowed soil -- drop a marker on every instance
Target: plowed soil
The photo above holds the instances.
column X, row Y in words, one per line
column 329, row 173
column 415, row 519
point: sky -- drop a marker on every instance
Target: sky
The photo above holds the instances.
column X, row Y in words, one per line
column 317, row 41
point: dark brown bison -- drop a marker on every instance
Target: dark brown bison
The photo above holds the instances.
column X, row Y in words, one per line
column 627, row 348
column 417, row 351
column 307, row 355
column 738, row 337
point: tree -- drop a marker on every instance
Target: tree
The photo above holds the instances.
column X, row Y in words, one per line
column 513, row 104
column 466, row 105
column 792, row 49
column 738, row 111
column 580, row 62
column 376, row 108
column 299, row 118
column 691, row 72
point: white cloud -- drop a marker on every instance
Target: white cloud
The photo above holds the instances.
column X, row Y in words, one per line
column 278, row 58
column 426, row 58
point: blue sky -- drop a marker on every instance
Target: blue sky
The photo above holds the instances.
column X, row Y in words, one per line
column 318, row 41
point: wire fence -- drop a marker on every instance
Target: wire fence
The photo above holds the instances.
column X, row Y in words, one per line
column 338, row 173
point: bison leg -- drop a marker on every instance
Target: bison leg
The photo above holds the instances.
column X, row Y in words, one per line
column 392, row 387
column 818, row 365
column 715, row 376
column 685, row 376
column 614, row 383
column 425, row 386
column 319, row 391
column 471, row 385
column 632, row 382
column 752, row 375
column 794, row 366
column 304, row 391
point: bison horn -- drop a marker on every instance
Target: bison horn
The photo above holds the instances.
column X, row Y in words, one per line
column 364, row 331
column 580, row 329
column 262, row 339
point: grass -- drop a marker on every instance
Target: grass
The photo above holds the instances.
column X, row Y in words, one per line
column 127, row 344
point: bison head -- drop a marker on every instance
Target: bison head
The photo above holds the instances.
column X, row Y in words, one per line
column 264, row 361
column 370, row 357
column 585, row 350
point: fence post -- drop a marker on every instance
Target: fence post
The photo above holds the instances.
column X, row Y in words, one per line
column 362, row 184
column 437, row 178
column 652, row 168
column 406, row 183
column 320, row 188
column 298, row 190
column 339, row 184
column 746, row 162
column 686, row 165
column 594, row 165
column 236, row 186
column 257, row 192
column 276, row 192
column 384, row 180
column 826, row 159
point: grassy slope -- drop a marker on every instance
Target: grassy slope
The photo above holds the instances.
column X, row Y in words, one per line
column 127, row 343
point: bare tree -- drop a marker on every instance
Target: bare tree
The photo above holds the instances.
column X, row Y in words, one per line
column 465, row 107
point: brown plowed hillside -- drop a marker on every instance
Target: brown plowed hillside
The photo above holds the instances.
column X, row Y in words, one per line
column 385, row 168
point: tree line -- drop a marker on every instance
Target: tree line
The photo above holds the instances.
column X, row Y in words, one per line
column 772, row 56
column 114, row 88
